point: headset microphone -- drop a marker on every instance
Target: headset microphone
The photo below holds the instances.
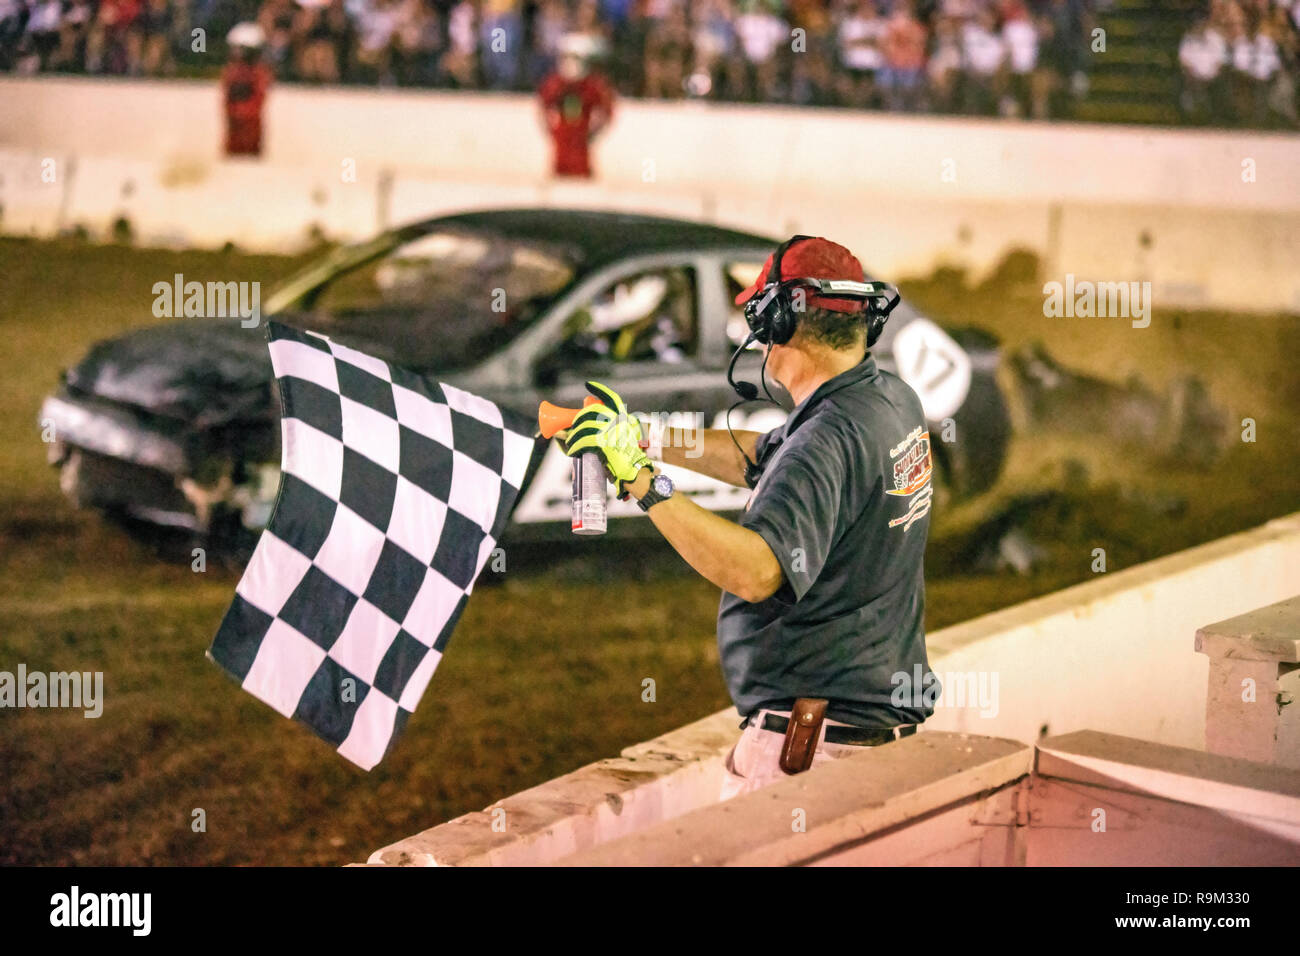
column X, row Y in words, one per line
column 748, row 391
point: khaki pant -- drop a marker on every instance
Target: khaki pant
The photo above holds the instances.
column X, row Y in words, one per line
column 755, row 761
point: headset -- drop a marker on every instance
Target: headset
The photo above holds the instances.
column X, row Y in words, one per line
column 772, row 315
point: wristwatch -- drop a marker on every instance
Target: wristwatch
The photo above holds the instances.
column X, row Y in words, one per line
column 661, row 489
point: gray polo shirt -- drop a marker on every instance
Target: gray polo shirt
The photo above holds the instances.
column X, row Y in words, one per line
column 843, row 502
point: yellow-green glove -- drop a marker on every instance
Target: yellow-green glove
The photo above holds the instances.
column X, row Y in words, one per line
column 608, row 428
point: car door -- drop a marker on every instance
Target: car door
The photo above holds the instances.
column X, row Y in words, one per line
column 641, row 329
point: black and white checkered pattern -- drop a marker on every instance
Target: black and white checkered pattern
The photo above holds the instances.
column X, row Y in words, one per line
column 393, row 491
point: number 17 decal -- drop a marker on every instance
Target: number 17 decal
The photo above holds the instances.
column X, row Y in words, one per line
column 936, row 367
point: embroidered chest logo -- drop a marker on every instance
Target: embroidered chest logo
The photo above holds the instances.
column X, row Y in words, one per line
column 913, row 468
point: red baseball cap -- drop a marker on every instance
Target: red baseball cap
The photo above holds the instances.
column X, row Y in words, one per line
column 814, row 258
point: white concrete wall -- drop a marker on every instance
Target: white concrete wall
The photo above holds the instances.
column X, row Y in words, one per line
column 907, row 193
column 774, row 151
column 1116, row 654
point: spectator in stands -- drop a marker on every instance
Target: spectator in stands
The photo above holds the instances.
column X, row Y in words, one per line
column 106, row 44
column 377, row 30
column 1225, row 17
column 615, row 12
column 713, row 45
column 1201, row 54
column 276, row 18
column 983, row 56
column 501, row 41
column 762, row 36
column 460, row 62
column 153, row 33
column 944, row 67
column 1063, row 36
column 860, row 35
column 904, row 51
column 1025, row 92
column 550, row 24
column 588, row 24
column 1287, row 34
column 1232, row 21
column 324, row 35
column 417, row 43
column 667, row 55
column 43, row 20
column 13, row 14
column 613, row 24
column 959, row 11
column 577, row 104
column 1018, row 57
column 811, row 81
column 74, row 27
column 1256, row 61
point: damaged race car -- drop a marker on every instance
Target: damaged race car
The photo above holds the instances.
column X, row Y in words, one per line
column 175, row 426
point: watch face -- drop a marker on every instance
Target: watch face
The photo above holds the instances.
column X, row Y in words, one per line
column 662, row 484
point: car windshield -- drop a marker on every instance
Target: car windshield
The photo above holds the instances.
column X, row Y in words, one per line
column 445, row 300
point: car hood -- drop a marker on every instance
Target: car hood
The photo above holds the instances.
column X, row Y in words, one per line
column 204, row 372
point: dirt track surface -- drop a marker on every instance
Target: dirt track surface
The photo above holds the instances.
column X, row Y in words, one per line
column 523, row 694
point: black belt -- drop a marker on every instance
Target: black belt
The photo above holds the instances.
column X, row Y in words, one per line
column 857, row 736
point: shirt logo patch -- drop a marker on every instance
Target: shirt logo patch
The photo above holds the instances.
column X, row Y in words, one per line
column 912, row 473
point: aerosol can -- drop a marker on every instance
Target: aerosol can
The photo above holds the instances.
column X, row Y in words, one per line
column 589, row 494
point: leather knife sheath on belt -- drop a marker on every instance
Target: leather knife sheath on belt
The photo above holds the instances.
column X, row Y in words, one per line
column 802, row 733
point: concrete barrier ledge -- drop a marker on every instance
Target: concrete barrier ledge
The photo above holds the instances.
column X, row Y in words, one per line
column 842, row 803
column 1193, row 777
column 649, row 782
column 1269, row 633
column 1106, row 800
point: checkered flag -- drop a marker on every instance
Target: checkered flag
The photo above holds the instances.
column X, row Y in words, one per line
column 393, row 492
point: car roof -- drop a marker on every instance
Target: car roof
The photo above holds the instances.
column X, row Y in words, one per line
column 600, row 237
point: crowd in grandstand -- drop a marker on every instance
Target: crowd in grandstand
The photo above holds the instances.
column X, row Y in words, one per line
column 1015, row 57
column 1239, row 64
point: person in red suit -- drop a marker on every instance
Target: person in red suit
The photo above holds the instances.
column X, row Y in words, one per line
column 577, row 103
column 245, row 80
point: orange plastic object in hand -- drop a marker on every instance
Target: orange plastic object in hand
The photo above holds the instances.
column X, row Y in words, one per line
column 553, row 418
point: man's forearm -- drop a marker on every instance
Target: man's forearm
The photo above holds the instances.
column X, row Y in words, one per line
column 709, row 451
column 728, row 555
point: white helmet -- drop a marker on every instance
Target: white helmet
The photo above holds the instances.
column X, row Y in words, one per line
column 581, row 45
column 248, row 35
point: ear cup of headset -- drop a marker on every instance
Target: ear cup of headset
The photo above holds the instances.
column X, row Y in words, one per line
column 756, row 319
column 875, row 325
column 772, row 318
column 781, row 321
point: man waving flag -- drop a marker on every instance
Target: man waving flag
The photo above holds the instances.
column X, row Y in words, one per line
column 393, row 491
